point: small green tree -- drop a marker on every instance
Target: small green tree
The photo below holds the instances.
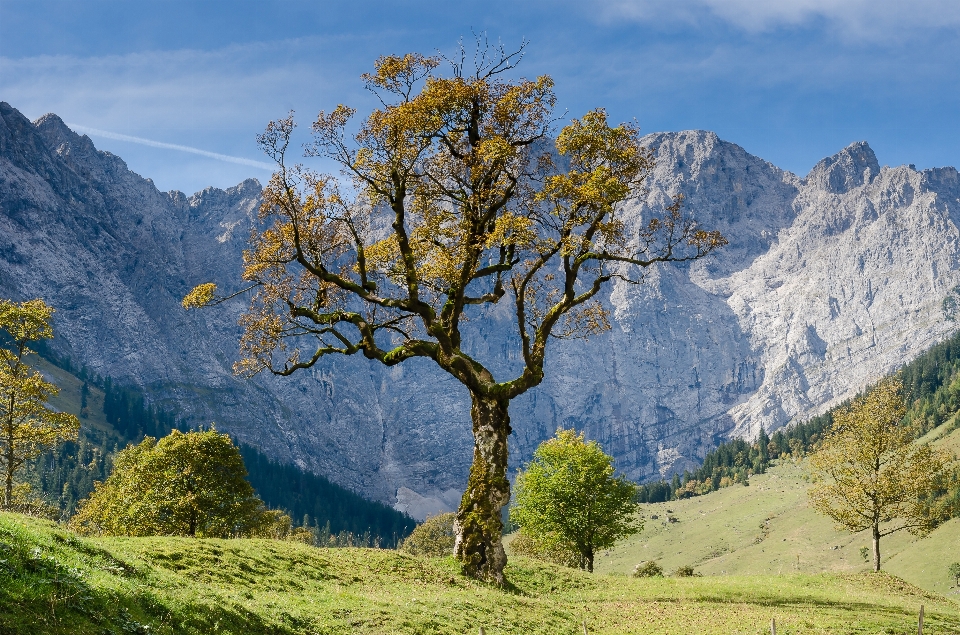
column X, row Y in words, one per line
column 27, row 424
column 871, row 475
column 186, row 484
column 954, row 570
column 432, row 537
column 569, row 493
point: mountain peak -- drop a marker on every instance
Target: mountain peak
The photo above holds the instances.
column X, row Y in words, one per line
column 56, row 134
column 852, row 167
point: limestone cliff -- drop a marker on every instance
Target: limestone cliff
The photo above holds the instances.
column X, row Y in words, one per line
column 829, row 282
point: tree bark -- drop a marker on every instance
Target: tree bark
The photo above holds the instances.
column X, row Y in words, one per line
column 876, row 547
column 478, row 526
column 8, row 489
column 8, row 459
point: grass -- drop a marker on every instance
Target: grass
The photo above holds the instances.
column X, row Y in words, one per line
column 767, row 528
column 52, row 581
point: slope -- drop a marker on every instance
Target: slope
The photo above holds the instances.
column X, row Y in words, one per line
column 51, row 581
column 767, row 528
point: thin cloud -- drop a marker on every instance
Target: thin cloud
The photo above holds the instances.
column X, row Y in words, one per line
column 870, row 19
column 171, row 146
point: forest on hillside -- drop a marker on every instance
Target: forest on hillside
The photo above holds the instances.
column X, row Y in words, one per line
column 66, row 474
column 932, row 391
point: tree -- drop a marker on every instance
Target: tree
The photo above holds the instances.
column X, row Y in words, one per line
column 433, row 537
column 569, row 494
column 185, row 484
column 954, row 570
column 28, row 426
column 458, row 196
column 870, row 474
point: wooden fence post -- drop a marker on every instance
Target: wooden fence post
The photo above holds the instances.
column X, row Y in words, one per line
column 773, row 626
column 920, row 623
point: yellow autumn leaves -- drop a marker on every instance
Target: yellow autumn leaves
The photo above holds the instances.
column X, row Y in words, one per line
column 871, row 474
column 28, row 426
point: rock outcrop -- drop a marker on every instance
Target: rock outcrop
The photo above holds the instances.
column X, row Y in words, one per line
column 829, row 282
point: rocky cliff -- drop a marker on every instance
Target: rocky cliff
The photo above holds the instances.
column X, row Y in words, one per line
column 829, row 282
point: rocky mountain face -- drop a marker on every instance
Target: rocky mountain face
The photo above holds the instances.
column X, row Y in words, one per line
column 829, row 282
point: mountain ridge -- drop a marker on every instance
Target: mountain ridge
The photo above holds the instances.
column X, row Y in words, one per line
column 830, row 281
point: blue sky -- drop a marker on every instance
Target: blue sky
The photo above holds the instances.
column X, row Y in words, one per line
column 791, row 81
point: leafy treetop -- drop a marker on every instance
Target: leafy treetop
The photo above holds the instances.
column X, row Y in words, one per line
column 569, row 493
column 185, row 484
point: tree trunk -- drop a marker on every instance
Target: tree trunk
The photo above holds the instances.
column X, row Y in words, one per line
column 590, row 559
column 8, row 490
column 876, row 548
column 478, row 526
column 8, row 459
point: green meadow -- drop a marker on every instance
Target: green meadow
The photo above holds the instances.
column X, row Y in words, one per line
column 52, row 581
column 761, row 554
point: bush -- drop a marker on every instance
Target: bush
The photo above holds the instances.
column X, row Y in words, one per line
column 433, row 537
column 185, row 484
column 24, row 501
column 685, row 571
column 549, row 548
column 648, row 569
column 568, row 495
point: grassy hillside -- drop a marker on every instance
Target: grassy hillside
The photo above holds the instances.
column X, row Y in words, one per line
column 54, row 582
column 767, row 528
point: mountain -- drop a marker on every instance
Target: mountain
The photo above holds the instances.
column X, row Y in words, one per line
column 829, row 282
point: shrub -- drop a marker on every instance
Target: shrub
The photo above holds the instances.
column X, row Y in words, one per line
column 568, row 494
column 685, row 571
column 24, row 501
column 185, row 484
column 433, row 537
column 648, row 569
column 549, row 548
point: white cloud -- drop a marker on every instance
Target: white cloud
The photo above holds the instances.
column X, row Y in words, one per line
column 215, row 100
column 869, row 19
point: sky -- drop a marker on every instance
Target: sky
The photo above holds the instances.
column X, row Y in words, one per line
column 179, row 89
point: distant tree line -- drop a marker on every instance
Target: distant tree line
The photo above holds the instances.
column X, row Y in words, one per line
column 932, row 387
column 66, row 474
column 335, row 514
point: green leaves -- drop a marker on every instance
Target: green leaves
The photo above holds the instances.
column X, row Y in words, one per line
column 26, row 321
column 186, row 484
column 569, row 494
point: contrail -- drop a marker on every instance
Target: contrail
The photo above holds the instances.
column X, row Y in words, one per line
column 172, row 146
